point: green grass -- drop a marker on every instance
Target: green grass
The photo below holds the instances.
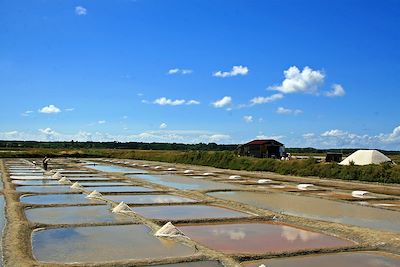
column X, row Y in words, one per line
column 384, row 173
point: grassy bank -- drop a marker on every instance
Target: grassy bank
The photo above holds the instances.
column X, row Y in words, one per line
column 384, row 173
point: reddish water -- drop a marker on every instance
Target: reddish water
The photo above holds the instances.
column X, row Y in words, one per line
column 353, row 259
column 259, row 238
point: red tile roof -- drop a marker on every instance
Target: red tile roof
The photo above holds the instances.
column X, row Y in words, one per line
column 262, row 142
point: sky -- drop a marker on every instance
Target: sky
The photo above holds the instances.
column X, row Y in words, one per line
column 321, row 74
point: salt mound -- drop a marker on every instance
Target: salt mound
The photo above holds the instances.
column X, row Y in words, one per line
column 57, row 175
column 359, row 193
column 171, row 169
column 235, row 177
column 278, row 186
column 157, row 167
column 145, row 165
column 188, row 171
column 76, row 185
column 169, row 230
column 304, row 186
column 121, row 208
column 64, row 180
column 95, row 194
column 208, row 174
column 264, row 181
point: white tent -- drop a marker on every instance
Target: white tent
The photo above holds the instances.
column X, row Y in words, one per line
column 365, row 157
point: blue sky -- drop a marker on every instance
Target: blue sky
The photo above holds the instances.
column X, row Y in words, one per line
column 308, row 73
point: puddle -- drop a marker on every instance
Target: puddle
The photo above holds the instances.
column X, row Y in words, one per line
column 353, row 259
column 142, row 199
column 44, row 189
column 32, row 177
column 103, row 243
column 320, row 209
column 192, row 264
column 58, row 199
column 259, row 238
column 113, row 168
column 179, row 212
column 184, row 182
column 35, row 174
column 36, row 182
column 82, row 178
column 103, row 183
column 114, row 189
column 78, row 214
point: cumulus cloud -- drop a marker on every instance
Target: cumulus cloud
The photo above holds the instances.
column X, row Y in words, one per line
column 49, row 109
column 236, row 70
column 337, row 138
column 287, row 111
column 80, row 11
column 248, row 118
column 225, row 101
column 180, row 71
column 337, row 90
column 296, row 81
column 101, row 122
column 163, row 101
column 163, row 125
column 262, row 100
column 334, row 133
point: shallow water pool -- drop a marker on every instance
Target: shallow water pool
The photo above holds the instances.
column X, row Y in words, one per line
column 351, row 259
column 103, row 243
column 317, row 208
column 259, row 238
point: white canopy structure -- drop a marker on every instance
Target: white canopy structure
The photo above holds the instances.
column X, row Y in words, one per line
column 365, row 157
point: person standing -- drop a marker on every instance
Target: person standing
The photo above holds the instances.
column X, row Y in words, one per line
column 45, row 162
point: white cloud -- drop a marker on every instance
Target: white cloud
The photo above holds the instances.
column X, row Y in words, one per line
column 163, row 125
column 306, row 81
column 334, row 133
column 49, row 109
column 101, row 122
column 226, row 100
column 262, row 100
column 287, row 111
column 80, row 11
column 236, row 70
column 26, row 113
column 274, row 137
column 248, row 118
column 337, row 138
column 337, row 90
column 192, row 102
column 180, row 71
column 308, row 135
column 69, row 109
column 165, row 101
column 49, row 133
